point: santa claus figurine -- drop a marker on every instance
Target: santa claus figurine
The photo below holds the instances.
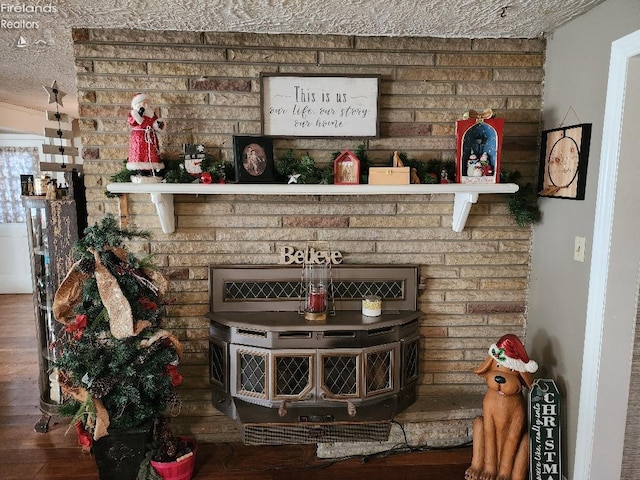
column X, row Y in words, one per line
column 144, row 149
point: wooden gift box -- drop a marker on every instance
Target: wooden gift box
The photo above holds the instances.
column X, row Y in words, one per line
column 478, row 150
column 389, row 175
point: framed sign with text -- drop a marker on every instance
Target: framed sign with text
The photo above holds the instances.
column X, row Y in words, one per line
column 545, row 433
column 319, row 106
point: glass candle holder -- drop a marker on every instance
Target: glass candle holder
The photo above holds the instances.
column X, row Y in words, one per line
column 316, row 281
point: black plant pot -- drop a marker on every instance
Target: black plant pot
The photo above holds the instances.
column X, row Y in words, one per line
column 119, row 454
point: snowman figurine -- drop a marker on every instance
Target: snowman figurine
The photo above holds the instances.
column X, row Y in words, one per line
column 471, row 164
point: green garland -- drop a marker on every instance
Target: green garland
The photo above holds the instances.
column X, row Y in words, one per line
column 523, row 204
column 304, row 168
column 175, row 172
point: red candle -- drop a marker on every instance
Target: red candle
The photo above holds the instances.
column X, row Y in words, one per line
column 318, row 301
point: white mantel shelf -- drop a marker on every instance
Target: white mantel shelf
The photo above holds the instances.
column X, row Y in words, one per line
column 162, row 194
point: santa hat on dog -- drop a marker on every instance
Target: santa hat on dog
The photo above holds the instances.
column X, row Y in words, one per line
column 510, row 352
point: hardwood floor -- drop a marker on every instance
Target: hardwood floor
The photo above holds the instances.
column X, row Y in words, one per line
column 55, row 455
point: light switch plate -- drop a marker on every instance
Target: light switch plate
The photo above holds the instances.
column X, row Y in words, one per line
column 579, row 248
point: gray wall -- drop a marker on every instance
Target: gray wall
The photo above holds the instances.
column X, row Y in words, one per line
column 576, row 77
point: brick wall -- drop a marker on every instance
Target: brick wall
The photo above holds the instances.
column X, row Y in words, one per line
column 475, row 281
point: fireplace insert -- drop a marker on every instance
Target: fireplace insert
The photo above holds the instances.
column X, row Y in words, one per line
column 291, row 380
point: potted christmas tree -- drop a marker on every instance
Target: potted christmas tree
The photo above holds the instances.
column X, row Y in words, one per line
column 118, row 367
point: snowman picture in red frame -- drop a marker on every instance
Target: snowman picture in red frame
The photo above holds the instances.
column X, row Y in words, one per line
column 478, row 150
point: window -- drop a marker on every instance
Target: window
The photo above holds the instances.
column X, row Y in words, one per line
column 15, row 161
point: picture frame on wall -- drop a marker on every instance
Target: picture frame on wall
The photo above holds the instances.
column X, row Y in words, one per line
column 253, row 159
column 564, row 153
column 308, row 105
column 26, row 185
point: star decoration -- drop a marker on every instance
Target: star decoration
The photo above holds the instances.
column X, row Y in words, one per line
column 55, row 95
column 293, row 178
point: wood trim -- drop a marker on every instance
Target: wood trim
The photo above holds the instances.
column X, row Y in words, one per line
column 599, row 410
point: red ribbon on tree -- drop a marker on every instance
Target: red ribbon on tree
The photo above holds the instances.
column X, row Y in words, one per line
column 148, row 304
column 172, row 371
column 77, row 327
column 84, row 438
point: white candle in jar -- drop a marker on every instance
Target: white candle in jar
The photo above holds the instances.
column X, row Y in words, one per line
column 372, row 306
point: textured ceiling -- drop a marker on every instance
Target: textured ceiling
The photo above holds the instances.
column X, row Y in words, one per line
column 48, row 53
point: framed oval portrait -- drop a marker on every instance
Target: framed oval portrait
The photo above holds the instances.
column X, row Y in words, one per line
column 253, row 159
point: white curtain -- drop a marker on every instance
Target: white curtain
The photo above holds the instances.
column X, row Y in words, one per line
column 15, row 161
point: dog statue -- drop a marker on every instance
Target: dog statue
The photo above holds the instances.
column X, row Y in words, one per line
column 500, row 435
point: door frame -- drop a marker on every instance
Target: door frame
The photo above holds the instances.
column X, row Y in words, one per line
column 613, row 288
